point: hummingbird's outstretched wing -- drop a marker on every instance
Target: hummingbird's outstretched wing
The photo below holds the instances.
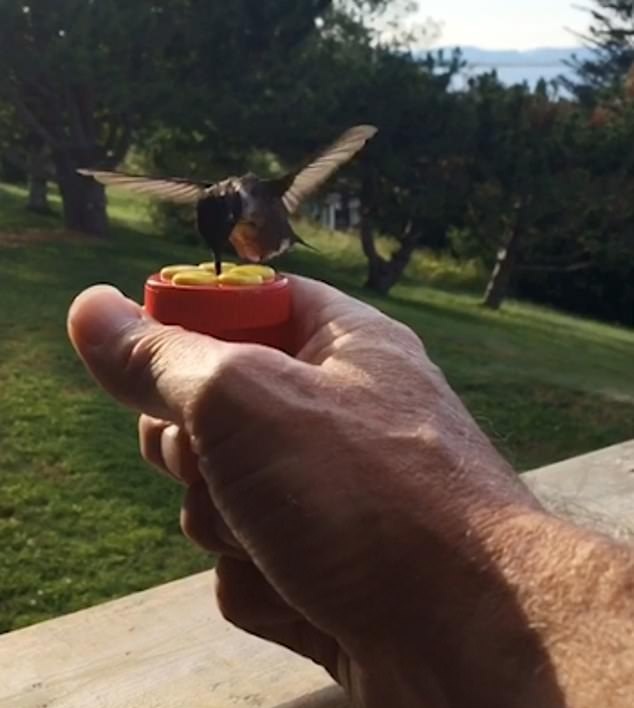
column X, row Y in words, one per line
column 179, row 191
column 298, row 185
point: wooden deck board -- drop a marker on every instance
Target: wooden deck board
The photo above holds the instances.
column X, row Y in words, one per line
column 167, row 647
column 596, row 490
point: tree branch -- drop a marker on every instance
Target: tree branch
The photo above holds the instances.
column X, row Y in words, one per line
column 84, row 96
column 74, row 117
column 367, row 233
column 409, row 240
column 29, row 117
column 555, row 268
column 17, row 158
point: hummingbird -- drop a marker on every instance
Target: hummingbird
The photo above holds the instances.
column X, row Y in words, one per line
column 249, row 212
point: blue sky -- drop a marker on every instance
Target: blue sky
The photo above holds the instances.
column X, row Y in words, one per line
column 506, row 24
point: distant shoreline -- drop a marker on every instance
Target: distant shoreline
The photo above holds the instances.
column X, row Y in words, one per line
column 518, row 65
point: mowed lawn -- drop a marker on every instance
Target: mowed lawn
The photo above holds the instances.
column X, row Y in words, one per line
column 82, row 519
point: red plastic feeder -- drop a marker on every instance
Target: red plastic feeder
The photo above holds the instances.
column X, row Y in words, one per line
column 258, row 314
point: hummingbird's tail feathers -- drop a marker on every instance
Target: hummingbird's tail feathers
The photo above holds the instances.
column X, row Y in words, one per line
column 179, row 191
column 302, row 183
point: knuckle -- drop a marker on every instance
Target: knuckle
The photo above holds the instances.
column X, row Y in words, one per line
column 378, row 327
column 144, row 434
column 406, row 336
column 235, row 365
column 141, row 363
column 224, row 390
column 189, row 524
column 249, row 390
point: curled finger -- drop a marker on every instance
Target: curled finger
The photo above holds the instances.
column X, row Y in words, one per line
column 168, row 448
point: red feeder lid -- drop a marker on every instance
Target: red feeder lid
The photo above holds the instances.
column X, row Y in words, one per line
column 215, row 309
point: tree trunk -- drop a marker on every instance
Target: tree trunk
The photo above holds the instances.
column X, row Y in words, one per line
column 382, row 274
column 38, row 195
column 38, row 180
column 500, row 280
column 377, row 279
column 83, row 198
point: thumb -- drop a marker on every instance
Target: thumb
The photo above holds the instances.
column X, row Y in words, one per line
column 147, row 366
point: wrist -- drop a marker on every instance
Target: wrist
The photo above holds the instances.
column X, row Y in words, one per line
column 483, row 648
column 460, row 637
column 526, row 627
column 574, row 589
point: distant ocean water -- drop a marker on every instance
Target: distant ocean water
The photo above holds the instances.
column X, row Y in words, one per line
column 514, row 67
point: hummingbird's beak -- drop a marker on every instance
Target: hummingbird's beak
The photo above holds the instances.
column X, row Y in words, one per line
column 217, row 261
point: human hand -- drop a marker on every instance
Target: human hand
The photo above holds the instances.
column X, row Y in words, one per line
column 357, row 510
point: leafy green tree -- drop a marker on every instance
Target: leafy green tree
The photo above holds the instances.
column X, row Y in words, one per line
column 550, row 204
column 83, row 76
column 611, row 38
column 90, row 78
column 25, row 157
column 283, row 111
column 520, row 168
column 404, row 176
column 411, row 176
column 11, row 135
column 587, row 248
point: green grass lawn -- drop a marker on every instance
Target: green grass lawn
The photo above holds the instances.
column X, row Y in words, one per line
column 81, row 517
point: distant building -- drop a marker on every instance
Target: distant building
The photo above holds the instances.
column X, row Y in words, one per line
column 336, row 211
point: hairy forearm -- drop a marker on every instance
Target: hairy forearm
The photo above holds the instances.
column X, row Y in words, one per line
column 576, row 590
column 549, row 624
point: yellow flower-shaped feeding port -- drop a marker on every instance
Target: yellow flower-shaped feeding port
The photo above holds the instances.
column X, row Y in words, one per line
column 211, row 267
column 194, row 277
column 204, row 274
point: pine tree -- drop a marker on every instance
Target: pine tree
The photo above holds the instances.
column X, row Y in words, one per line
column 611, row 39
